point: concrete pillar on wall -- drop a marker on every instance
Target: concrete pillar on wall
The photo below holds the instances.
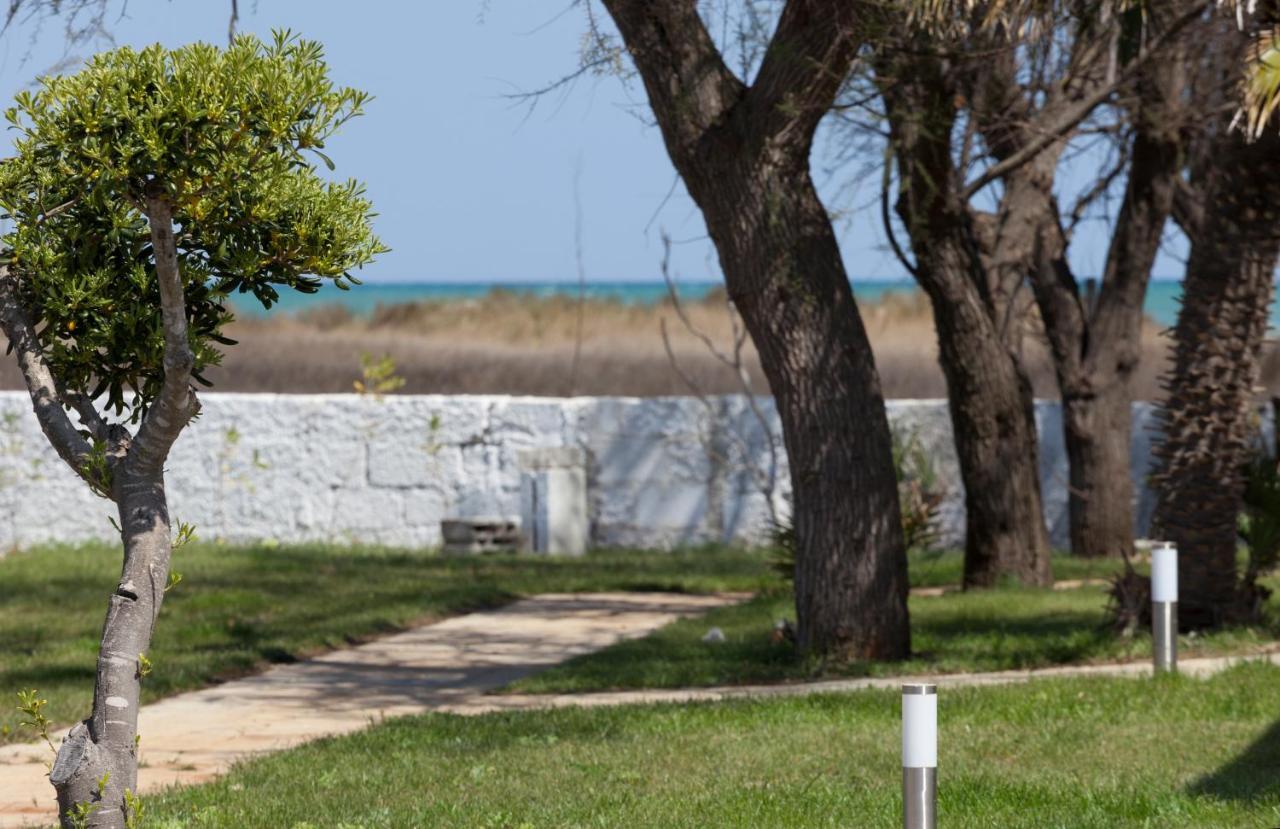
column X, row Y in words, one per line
column 553, row 501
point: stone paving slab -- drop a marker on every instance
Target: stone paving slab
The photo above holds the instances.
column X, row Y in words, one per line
column 192, row 737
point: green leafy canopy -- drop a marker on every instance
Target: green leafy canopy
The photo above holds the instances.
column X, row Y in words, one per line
column 233, row 136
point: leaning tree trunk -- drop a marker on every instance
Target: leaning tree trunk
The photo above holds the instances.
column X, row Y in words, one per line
column 105, row 746
column 743, row 153
column 1206, row 417
column 785, row 275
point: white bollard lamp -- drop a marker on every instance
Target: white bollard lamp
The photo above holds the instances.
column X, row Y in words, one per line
column 1164, row 607
column 919, row 756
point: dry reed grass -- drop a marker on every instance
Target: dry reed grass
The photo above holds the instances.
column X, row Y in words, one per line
column 508, row 343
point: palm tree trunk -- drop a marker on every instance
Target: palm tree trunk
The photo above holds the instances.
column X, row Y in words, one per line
column 1206, row 417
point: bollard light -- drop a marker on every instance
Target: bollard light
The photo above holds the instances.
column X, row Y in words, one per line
column 1164, row 607
column 919, row 756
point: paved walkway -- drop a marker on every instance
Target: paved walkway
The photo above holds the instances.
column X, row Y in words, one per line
column 1201, row 667
column 1063, row 584
column 191, row 737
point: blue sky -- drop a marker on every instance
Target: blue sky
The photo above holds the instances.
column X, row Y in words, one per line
column 470, row 185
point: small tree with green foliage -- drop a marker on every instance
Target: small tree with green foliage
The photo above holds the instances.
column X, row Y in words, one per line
column 145, row 190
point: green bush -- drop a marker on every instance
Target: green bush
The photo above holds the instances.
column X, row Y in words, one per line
column 1259, row 522
column 920, row 495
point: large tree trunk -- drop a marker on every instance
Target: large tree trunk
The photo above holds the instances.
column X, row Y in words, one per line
column 1095, row 345
column 992, row 411
column 1096, row 349
column 992, row 419
column 1206, row 417
column 784, row 274
column 98, row 763
column 743, row 154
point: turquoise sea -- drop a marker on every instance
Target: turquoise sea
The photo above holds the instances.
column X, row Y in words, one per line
column 1161, row 304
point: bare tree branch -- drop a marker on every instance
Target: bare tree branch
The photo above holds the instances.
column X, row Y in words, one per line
column 582, row 275
column 766, row 480
column 887, row 220
column 1073, row 115
column 1101, row 186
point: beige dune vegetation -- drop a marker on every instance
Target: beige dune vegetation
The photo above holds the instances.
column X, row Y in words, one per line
column 512, row 343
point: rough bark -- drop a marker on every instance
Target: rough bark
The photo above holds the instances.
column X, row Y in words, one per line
column 1095, row 345
column 743, row 154
column 993, row 420
column 992, row 411
column 97, row 763
column 1227, row 292
column 1097, row 349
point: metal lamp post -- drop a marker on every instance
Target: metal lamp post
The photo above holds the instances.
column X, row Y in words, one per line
column 1164, row 607
column 919, row 756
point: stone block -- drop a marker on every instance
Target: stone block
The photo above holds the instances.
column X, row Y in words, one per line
column 487, row 534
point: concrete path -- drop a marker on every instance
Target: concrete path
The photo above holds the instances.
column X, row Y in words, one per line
column 1201, row 667
column 191, row 737
column 1064, row 584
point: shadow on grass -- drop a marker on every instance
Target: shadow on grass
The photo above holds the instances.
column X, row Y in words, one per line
column 1254, row 775
column 995, row 630
column 1019, row 638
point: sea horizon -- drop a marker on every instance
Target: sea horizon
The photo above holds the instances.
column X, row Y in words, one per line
column 1161, row 301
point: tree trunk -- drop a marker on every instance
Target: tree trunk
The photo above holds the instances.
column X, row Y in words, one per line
column 783, row 270
column 992, row 411
column 1206, row 416
column 1096, row 431
column 993, row 421
column 96, row 769
column 1097, row 348
column 97, row 763
column 743, row 153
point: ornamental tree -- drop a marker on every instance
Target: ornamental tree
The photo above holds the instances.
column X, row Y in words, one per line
column 146, row 190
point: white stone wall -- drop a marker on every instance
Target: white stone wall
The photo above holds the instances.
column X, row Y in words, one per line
column 342, row 468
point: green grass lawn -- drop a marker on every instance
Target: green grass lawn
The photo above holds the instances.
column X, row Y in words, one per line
column 945, row 568
column 1090, row 753
column 987, row 630
column 239, row 608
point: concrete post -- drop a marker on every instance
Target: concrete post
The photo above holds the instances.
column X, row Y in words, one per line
column 553, row 501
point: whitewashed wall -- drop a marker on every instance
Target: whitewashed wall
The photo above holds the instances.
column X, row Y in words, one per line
column 342, row 468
